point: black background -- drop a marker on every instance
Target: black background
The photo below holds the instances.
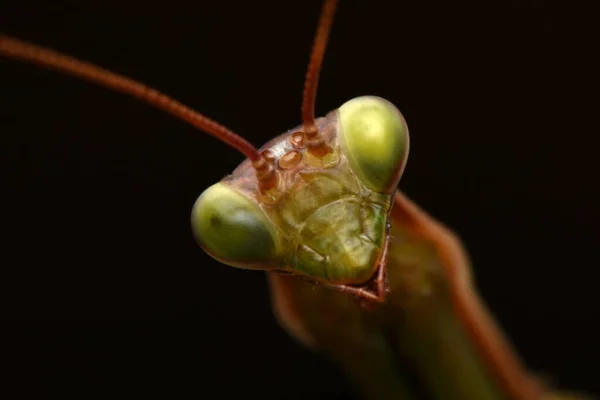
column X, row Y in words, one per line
column 97, row 188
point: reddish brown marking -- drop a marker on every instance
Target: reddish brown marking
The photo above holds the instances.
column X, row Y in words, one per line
column 290, row 159
column 312, row 77
column 35, row 54
column 22, row 50
column 319, row 148
column 383, row 286
column 361, row 292
column 265, row 174
column 297, row 140
column 269, row 155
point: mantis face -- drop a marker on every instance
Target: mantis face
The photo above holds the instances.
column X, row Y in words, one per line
column 328, row 223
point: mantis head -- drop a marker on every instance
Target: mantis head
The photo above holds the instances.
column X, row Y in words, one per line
column 326, row 223
column 318, row 204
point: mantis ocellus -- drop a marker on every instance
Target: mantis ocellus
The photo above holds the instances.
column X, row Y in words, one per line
column 345, row 297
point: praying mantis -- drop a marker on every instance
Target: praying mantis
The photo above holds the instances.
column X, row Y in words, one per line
column 410, row 217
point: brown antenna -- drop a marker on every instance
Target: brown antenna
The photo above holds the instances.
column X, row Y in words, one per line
column 314, row 142
column 35, row 54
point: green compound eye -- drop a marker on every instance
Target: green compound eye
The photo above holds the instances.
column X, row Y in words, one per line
column 375, row 141
column 233, row 229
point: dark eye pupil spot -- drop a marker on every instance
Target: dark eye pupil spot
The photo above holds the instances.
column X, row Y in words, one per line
column 216, row 221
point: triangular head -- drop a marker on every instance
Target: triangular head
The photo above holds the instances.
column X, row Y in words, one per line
column 324, row 218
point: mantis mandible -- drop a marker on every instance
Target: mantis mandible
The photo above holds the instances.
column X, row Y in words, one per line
column 328, row 151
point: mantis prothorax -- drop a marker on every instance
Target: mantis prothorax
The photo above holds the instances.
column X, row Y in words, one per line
column 318, row 206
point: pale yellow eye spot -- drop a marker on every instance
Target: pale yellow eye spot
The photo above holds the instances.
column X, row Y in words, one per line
column 375, row 140
column 233, row 228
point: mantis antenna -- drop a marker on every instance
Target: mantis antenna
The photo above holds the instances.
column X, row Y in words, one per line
column 265, row 172
column 315, row 142
column 45, row 57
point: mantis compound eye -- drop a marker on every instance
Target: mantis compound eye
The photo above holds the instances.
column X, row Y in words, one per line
column 233, row 229
column 375, row 141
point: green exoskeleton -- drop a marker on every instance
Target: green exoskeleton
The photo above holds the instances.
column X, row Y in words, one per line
column 357, row 271
column 328, row 223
